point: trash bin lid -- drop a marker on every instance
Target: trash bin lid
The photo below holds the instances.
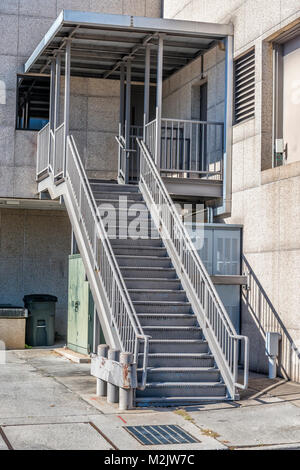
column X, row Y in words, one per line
column 39, row 298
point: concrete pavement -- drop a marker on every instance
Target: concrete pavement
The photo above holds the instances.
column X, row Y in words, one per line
column 47, row 402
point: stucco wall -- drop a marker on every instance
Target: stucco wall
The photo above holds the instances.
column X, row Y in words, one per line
column 34, row 249
column 23, row 23
column 265, row 200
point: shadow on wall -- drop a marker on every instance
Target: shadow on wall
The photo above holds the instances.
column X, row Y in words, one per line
column 258, row 317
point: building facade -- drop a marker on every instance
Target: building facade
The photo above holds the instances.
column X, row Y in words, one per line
column 263, row 174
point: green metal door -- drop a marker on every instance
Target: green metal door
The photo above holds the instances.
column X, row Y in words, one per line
column 80, row 308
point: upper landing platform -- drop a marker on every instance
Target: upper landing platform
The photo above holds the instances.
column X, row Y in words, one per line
column 100, row 42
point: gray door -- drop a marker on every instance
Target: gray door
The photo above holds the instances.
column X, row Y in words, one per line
column 291, row 98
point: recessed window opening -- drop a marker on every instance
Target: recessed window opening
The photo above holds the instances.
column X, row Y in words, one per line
column 33, row 99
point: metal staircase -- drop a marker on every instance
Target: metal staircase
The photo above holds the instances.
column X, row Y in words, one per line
column 153, row 294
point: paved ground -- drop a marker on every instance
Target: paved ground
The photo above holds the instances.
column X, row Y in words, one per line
column 47, row 402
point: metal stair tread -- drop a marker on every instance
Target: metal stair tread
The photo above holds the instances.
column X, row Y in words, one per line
column 179, row 400
column 166, row 327
column 167, row 315
column 143, row 257
column 184, row 384
column 178, row 354
column 180, row 341
column 180, row 369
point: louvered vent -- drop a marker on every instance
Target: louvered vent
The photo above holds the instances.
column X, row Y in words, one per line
column 244, row 87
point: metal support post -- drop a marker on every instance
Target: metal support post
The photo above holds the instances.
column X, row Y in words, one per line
column 57, row 91
column 159, row 99
column 147, row 85
column 127, row 118
column 67, row 100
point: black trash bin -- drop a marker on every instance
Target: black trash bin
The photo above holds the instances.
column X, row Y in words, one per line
column 40, row 327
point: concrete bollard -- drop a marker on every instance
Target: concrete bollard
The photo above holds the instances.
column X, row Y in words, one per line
column 101, row 384
column 113, row 390
column 126, row 395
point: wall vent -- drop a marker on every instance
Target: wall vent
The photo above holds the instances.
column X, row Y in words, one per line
column 244, row 87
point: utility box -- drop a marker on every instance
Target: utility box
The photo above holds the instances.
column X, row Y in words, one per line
column 13, row 326
column 80, row 309
column 220, row 249
column 272, row 344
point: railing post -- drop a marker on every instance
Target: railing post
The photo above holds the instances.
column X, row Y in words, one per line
column 128, row 118
column 101, row 384
column 159, row 100
column 57, row 91
column 67, row 101
column 126, row 394
column 147, row 87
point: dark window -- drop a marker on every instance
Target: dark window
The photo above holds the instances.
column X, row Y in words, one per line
column 33, row 97
column 244, row 87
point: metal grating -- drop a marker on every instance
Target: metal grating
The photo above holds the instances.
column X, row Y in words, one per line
column 161, row 435
column 244, row 87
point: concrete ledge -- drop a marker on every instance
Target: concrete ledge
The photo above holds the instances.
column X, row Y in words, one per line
column 280, row 173
column 73, row 356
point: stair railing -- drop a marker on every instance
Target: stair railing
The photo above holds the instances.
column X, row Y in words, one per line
column 122, row 312
column 217, row 327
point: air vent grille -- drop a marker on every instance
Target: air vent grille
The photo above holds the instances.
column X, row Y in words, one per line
column 244, row 87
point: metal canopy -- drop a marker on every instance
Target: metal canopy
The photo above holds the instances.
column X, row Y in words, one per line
column 100, row 42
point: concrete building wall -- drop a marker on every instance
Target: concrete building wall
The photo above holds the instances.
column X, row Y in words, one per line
column 265, row 200
column 34, row 249
column 23, row 23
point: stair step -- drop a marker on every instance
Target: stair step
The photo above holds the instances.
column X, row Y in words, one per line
column 114, row 188
column 124, row 231
column 158, row 346
column 154, row 294
column 148, row 283
column 168, row 273
column 178, row 360
column 173, row 332
column 104, row 195
column 161, row 307
column 142, row 251
column 162, row 319
column 124, row 215
column 182, row 389
column 129, row 243
column 182, row 374
column 119, row 202
column 144, row 261
column 164, row 402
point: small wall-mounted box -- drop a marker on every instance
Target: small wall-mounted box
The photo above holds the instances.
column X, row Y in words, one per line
column 272, row 344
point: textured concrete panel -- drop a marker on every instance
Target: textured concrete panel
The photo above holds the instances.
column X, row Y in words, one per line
column 153, row 8
column 8, row 109
column 107, row 6
column 25, row 185
column 288, row 8
column 25, row 149
column 103, row 114
column 8, row 71
column 105, row 88
column 12, row 332
column 11, row 233
column 7, row 144
column 6, row 178
column 81, row 5
column 134, row 7
column 8, row 28
column 9, row 6
column 38, row 8
column 31, row 32
column 102, row 152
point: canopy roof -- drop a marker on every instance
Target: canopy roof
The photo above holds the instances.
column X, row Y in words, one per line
column 100, row 42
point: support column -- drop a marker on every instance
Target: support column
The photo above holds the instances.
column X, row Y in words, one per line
column 126, row 395
column 147, row 85
column 67, row 100
column 52, row 95
column 128, row 118
column 57, row 91
column 160, row 55
column 122, row 96
column 227, row 167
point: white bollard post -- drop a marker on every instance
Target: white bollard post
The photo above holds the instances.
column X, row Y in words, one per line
column 101, row 384
column 126, row 395
column 113, row 390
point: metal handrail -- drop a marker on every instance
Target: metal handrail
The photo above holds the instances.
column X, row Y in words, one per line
column 120, row 294
column 122, row 311
column 43, row 148
column 207, row 305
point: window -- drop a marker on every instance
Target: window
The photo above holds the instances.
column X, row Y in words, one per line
column 33, row 97
column 244, row 87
